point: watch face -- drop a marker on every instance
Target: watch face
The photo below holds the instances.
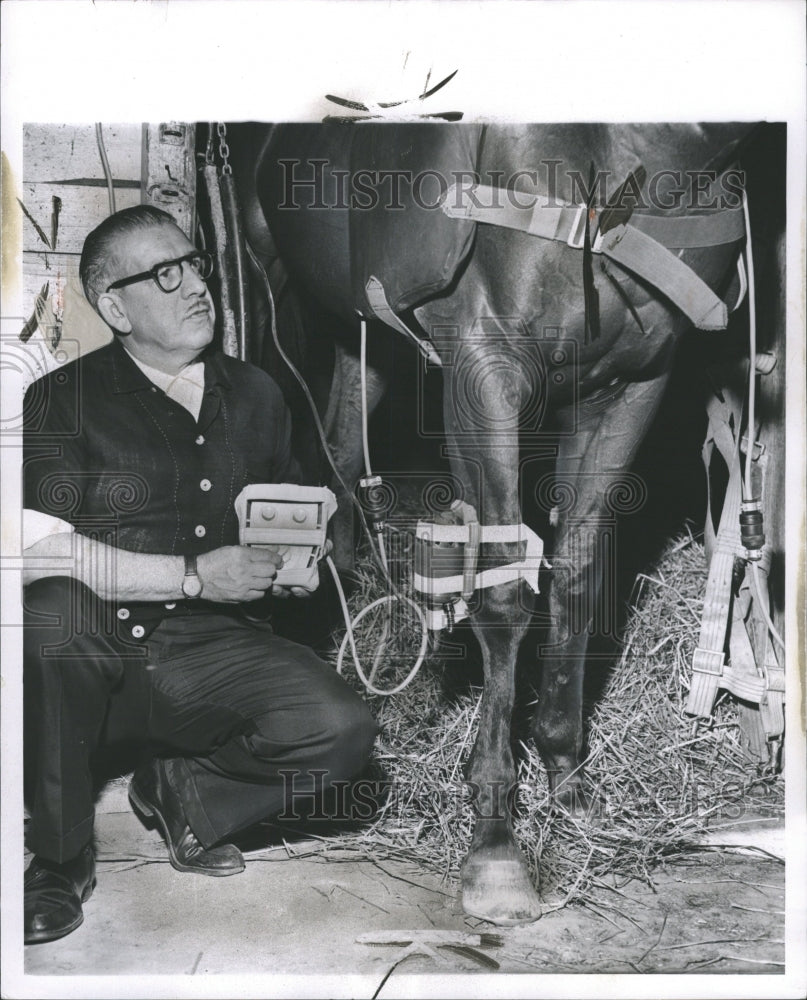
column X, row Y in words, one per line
column 192, row 586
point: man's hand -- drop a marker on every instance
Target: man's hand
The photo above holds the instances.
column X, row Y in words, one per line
column 278, row 591
column 237, row 572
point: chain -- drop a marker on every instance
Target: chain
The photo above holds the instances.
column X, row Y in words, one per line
column 224, row 149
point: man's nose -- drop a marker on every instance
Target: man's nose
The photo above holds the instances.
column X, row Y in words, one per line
column 192, row 283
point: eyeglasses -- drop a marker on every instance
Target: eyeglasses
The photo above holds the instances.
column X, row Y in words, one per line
column 168, row 274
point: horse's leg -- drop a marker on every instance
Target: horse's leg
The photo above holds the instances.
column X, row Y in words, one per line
column 342, row 424
column 495, row 880
column 589, row 467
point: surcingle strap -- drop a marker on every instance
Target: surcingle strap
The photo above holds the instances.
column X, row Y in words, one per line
column 641, row 246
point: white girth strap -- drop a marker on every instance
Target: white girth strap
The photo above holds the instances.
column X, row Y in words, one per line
column 435, row 588
column 641, row 246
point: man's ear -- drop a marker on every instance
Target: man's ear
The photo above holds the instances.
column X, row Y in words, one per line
column 113, row 312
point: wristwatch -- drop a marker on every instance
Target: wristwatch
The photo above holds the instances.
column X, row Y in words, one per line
column 191, row 584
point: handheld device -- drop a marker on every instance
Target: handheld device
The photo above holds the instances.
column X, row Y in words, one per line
column 291, row 519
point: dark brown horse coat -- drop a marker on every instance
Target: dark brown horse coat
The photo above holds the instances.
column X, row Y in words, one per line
column 525, row 326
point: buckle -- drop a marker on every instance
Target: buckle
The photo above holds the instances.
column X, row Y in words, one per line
column 577, row 231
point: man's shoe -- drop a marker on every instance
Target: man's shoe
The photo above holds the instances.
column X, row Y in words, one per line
column 152, row 794
column 54, row 894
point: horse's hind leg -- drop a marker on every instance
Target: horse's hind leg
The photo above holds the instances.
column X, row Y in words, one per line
column 590, row 489
column 495, row 880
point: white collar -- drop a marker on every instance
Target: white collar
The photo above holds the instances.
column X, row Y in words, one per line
column 186, row 387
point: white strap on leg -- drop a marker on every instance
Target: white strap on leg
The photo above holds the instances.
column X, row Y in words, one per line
column 524, row 569
column 435, row 588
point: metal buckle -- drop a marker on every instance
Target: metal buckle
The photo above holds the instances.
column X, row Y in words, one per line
column 574, row 240
column 577, row 232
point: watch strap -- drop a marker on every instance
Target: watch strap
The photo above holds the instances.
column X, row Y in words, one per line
column 191, row 574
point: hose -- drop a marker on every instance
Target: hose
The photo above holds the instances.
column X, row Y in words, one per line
column 378, row 553
column 110, row 186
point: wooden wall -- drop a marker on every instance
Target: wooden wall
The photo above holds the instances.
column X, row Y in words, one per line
column 65, row 195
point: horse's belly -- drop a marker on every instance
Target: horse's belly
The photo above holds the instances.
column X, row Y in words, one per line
column 301, row 192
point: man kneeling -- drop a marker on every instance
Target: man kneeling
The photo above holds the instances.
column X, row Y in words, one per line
column 134, row 455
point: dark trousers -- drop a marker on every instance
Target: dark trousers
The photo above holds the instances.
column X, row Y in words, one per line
column 251, row 721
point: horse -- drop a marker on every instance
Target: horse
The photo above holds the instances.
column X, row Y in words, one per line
column 551, row 341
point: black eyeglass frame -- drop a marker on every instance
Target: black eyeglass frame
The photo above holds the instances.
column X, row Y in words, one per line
column 202, row 255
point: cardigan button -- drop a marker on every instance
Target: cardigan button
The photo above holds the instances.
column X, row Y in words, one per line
column 200, row 439
column 200, row 531
column 138, row 631
column 123, row 614
column 205, row 485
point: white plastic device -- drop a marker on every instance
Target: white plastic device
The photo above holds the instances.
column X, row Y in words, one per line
column 291, row 519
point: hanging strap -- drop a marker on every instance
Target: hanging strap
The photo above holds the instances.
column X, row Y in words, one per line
column 381, row 308
column 751, row 676
column 722, row 548
column 640, row 246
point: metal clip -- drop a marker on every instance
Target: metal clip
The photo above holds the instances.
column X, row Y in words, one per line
column 577, row 233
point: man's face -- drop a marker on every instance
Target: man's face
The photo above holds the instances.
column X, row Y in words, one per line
column 168, row 329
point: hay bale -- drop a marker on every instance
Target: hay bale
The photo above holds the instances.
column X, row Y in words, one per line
column 655, row 776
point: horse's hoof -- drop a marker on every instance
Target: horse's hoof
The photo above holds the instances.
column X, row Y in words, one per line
column 500, row 892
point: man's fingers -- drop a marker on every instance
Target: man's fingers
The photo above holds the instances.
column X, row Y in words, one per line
column 279, row 591
column 265, row 557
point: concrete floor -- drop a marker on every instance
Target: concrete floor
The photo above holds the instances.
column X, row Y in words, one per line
column 289, row 926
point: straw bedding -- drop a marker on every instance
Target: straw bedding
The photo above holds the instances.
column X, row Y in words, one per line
column 655, row 777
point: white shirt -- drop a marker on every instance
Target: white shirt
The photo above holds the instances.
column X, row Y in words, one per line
column 187, row 388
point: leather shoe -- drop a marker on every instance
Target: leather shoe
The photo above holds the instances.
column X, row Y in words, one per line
column 153, row 794
column 54, row 894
